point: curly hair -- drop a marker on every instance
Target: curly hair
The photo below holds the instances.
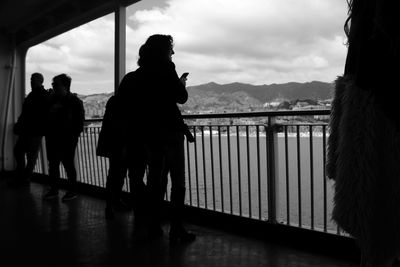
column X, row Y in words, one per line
column 155, row 49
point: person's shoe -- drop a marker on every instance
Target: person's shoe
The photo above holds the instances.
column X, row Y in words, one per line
column 51, row 194
column 69, row 196
column 180, row 235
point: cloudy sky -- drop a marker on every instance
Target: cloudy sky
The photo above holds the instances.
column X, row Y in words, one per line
column 250, row 41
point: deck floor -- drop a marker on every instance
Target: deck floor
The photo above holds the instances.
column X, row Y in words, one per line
column 53, row 233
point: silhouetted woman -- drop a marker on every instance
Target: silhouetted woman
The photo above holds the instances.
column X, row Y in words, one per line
column 364, row 143
column 155, row 92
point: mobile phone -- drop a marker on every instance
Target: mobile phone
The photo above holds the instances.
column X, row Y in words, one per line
column 184, row 75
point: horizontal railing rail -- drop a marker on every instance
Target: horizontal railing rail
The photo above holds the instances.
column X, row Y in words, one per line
column 266, row 166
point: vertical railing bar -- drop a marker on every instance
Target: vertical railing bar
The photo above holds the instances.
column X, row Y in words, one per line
column 76, row 162
column 93, row 162
column 166, row 195
column 79, row 155
column 311, row 175
column 62, row 172
column 38, row 168
column 248, row 169
column 220, row 169
column 287, row 175
column 189, row 171
column 81, row 162
column 299, row 174
column 95, row 169
column 230, row 168
column 43, row 155
column 212, row 166
column 267, row 164
column 84, row 169
column 83, row 156
column 258, row 172
column 42, row 168
column 204, row 168
column 105, row 169
column 98, row 161
column 86, row 154
column 126, row 182
column 127, row 179
column 92, row 156
column 239, row 168
column 39, row 162
column 102, row 166
column 89, row 155
column 95, row 129
column 272, row 170
column 324, row 177
column 196, row 167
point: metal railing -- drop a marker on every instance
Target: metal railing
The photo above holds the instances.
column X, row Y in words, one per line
column 265, row 166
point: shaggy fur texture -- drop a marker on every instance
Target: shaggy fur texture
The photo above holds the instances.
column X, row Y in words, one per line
column 364, row 161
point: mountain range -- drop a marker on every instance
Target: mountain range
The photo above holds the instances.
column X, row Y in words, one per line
column 234, row 96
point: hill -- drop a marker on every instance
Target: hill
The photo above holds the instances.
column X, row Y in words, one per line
column 213, row 97
column 267, row 93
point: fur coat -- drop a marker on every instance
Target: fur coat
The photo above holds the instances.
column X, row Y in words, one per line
column 364, row 161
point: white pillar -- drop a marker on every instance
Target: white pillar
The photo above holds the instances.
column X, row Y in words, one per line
column 12, row 88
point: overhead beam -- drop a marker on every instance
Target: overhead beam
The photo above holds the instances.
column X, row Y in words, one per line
column 67, row 16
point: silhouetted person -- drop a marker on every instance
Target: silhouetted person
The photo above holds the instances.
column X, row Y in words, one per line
column 65, row 123
column 156, row 91
column 30, row 128
column 112, row 144
column 174, row 159
column 164, row 176
column 364, row 143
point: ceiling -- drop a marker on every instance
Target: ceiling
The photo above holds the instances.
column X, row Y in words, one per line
column 34, row 21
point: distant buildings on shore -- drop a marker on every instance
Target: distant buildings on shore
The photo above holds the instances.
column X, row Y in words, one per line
column 95, row 107
column 298, row 104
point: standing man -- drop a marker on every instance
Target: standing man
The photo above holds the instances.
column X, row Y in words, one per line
column 65, row 123
column 30, row 129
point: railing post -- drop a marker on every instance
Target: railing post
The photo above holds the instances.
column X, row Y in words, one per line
column 43, row 154
column 76, row 163
column 272, row 170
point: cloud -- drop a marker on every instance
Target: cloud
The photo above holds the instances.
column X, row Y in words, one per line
column 86, row 53
column 254, row 41
column 286, row 39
